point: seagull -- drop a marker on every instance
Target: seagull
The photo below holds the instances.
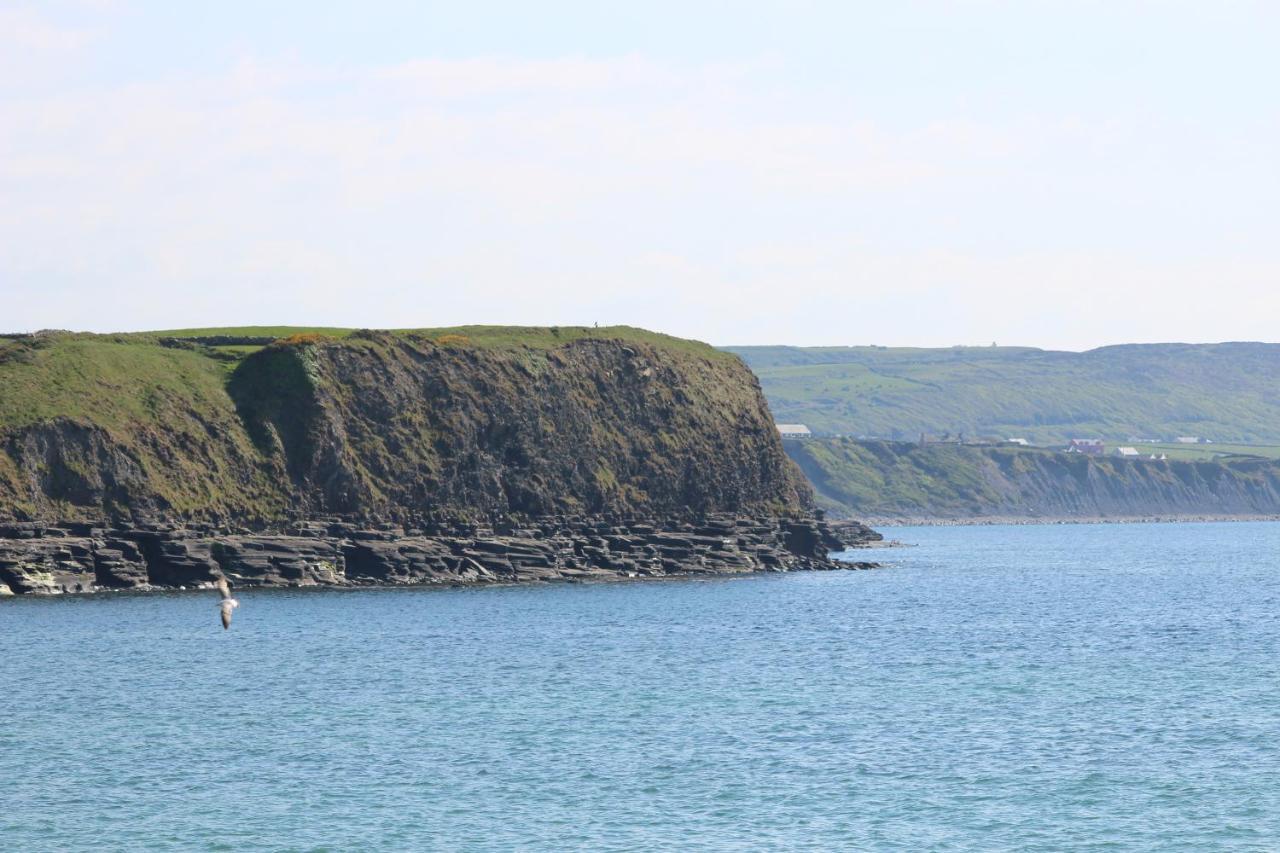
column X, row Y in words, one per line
column 227, row 604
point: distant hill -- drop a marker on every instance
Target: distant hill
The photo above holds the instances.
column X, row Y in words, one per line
column 887, row 480
column 1226, row 392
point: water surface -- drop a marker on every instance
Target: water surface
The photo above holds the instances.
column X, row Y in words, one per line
column 1091, row 687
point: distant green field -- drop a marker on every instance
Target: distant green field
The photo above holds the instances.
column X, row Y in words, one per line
column 1209, row 451
column 907, row 480
column 1229, row 393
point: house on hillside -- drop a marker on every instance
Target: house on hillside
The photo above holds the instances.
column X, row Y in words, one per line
column 1021, row 442
column 1188, row 439
column 1090, row 446
column 794, row 431
column 1128, row 452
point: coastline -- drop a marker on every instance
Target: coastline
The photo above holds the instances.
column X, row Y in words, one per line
column 76, row 558
column 832, row 564
column 983, row 521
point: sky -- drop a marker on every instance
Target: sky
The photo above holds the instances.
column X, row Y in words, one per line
column 1054, row 174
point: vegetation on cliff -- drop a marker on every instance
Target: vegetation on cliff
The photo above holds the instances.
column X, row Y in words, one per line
column 257, row 425
column 903, row 480
column 126, row 426
column 1226, row 392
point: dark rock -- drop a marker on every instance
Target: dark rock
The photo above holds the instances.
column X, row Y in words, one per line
column 39, row 559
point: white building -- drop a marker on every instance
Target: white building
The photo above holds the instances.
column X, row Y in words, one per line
column 1128, row 451
column 1021, row 442
column 794, row 431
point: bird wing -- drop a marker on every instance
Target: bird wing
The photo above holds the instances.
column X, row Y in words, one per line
column 223, row 588
column 226, row 616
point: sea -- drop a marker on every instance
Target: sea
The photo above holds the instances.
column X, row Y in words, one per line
column 1058, row 687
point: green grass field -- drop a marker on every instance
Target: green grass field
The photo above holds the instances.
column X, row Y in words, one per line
column 906, row 480
column 1206, row 451
column 1225, row 392
column 118, row 382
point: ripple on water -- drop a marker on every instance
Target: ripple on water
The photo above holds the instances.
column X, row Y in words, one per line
column 997, row 687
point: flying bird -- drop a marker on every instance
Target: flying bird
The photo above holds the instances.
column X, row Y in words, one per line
column 227, row 604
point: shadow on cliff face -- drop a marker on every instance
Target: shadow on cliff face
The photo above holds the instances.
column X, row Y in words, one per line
column 274, row 393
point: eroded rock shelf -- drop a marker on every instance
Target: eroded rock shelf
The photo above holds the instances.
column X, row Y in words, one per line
column 85, row 557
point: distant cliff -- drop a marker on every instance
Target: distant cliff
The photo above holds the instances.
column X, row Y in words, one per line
column 899, row 480
column 479, row 421
column 1226, row 392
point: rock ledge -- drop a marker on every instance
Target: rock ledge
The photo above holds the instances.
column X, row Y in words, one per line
column 84, row 556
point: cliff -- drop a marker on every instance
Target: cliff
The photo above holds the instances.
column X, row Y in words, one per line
column 473, row 455
column 467, row 422
column 898, row 480
column 1225, row 392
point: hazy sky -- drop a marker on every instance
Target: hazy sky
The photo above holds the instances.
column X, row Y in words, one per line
column 1059, row 174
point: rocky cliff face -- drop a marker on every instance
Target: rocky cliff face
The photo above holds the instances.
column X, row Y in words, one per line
column 390, row 458
column 899, row 480
column 391, row 425
column 382, row 426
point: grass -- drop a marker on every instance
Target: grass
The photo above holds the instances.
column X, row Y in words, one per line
column 238, row 350
column 484, row 337
column 1225, row 392
column 272, row 332
column 880, row 479
column 549, row 337
column 163, row 413
column 1207, row 451
column 122, row 379
column 111, row 382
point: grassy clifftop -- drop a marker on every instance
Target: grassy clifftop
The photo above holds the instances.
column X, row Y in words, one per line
column 1226, row 392
column 126, row 424
column 220, row 423
column 483, row 337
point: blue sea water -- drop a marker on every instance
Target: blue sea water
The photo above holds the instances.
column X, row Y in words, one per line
column 1097, row 687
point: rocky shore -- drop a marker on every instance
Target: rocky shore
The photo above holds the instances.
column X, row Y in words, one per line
column 81, row 557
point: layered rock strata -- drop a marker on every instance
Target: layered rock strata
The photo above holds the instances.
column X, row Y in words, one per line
column 85, row 557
